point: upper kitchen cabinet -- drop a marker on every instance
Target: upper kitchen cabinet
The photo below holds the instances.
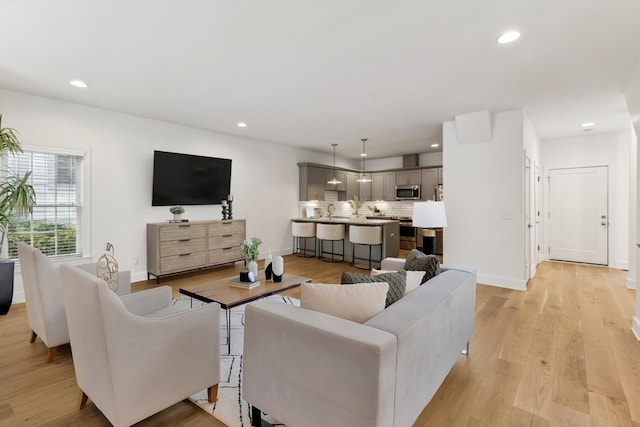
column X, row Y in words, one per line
column 339, row 175
column 311, row 183
column 429, row 182
column 411, row 177
column 365, row 188
column 353, row 188
column 383, row 186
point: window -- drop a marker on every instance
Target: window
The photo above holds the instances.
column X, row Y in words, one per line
column 55, row 226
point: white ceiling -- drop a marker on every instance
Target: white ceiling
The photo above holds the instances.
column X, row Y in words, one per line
column 311, row 73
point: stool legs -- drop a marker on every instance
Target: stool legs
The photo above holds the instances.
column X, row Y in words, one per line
column 321, row 251
column 353, row 256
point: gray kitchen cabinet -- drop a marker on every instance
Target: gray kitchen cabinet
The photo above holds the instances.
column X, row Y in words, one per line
column 383, row 186
column 408, row 177
column 377, row 186
column 353, row 188
column 365, row 188
column 389, row 186
column 311, row 183
column 339, row 175
column 429, row 181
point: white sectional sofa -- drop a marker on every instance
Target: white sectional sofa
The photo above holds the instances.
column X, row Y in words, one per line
column 309, row 369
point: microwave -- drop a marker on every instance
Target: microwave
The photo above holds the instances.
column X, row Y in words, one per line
column 408, row 192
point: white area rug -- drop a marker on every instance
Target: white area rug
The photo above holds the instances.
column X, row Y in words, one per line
column 230, row 408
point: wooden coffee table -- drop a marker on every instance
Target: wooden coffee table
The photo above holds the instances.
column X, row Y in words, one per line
column 228, row 296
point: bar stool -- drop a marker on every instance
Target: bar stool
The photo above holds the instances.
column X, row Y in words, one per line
column 303, row 230
column 332, row 232
column 364, row 235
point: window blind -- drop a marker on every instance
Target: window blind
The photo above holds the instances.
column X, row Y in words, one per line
column 55, row 226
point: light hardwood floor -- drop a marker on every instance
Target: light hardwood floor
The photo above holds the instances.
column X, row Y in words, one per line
column 560, row 354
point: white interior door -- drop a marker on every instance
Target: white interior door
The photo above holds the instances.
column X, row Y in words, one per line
column 578, row 215
column 527, row 218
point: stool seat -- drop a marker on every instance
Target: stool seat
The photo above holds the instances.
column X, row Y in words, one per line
column 365, row 235
column 303, row 230
column 333, row 233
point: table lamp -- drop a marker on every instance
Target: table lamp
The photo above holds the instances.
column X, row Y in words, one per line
column 429, row 215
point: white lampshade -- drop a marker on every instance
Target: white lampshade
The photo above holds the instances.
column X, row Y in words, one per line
column 429, row 215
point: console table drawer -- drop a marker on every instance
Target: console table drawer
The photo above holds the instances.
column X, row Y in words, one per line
column 226, row 228
column 219, row 242
column 186, row 231
column 181, row 262
column 182, row 246
column 223, row 255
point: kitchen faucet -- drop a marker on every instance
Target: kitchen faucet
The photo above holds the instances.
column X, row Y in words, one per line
column 330, row 209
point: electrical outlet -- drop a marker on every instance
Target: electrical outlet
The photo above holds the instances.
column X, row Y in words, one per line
column 507, row 215
column 134, row 260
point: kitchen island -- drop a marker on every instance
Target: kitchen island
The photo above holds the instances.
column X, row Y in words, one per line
column 390, row 235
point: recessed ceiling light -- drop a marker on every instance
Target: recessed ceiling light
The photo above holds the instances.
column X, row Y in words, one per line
column 588, row 125
column 363, row 154
column 435, row 145
column 79, row 83
column 508, row 37
column 242, row 125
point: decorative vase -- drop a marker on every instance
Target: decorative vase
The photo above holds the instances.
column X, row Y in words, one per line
column 268, row 266
column 177, row 217
column 6, row 285
column 278, row 269
column 253, row 267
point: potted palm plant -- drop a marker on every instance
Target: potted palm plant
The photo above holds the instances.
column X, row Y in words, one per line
column 17, row 198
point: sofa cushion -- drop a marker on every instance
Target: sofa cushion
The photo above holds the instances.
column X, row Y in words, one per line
column 357, row 303
column 397, row 282
column 414, row 278
column 418, row 261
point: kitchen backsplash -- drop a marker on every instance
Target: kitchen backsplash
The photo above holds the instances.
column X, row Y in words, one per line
column 399, row 208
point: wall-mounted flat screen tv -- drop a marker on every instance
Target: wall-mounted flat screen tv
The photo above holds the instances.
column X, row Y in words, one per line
column 185, row 179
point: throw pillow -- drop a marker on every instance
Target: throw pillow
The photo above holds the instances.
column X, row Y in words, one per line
column 414, row 278
column 397, row 283
column 418, row 261
column 357, row 303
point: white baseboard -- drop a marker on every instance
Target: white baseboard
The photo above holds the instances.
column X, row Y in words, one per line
column 620, row 265
column 631, row 283
column 18, row 296
column 502, row 282
column 636, row 327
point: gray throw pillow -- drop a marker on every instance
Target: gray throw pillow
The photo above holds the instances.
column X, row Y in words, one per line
column 418, row 261
column 397, row 283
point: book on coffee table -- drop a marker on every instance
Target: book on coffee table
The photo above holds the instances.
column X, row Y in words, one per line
column 236, row 282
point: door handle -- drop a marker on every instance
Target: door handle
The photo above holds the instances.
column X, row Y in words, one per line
column 603, row 223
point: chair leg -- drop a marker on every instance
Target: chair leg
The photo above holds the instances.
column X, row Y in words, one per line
column 52, row 353
column 465, row 350
column 33, row 337
column 256, row 416
column 212, row 393
column 83, row 401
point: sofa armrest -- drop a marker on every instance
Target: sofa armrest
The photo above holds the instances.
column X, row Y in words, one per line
column 392, row 264
column 307, row 368
column 147, row 301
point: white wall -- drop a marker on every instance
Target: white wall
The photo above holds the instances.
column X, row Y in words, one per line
column 484, row 183
column 424, row 159
column 264, row 176
column 610, row 149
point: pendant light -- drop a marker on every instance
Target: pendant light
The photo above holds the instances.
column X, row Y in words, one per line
column 363, row 177
column 334, row 181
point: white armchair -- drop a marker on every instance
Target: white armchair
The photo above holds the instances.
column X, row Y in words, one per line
column 135, row 355
column 43, row 294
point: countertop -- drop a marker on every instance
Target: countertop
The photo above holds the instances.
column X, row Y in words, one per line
column 345, row 220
